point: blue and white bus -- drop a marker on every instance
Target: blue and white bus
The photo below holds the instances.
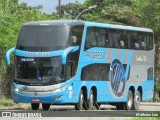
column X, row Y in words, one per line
column 85, row 64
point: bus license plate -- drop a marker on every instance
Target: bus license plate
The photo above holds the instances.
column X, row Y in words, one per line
column 36, row 100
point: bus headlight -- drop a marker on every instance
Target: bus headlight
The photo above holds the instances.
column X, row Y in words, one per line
column 59, row 89
column 16, row 89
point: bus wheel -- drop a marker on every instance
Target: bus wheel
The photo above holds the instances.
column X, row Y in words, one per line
column 35, row 106
column 81, row 103
column 120, row 106
column 45, row 106
column 97, row 106
column 129, row 103
column 91, row 101
column 137, row 100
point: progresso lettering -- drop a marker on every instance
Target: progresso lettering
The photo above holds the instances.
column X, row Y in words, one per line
column 38, row 54
column 95, row 55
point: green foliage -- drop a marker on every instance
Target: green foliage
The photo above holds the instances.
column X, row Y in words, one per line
column 4, row 102
column 71, row 10
column 13, row 15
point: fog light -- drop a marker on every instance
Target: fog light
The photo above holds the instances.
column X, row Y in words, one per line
column 58, row 98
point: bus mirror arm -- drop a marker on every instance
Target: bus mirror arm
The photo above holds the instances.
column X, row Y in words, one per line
column 67, row 51
column 8, row 53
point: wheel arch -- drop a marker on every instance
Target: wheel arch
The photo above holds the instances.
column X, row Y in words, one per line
column 94, row 89
column 85, row 91
column 132, row 88
column 140, row 91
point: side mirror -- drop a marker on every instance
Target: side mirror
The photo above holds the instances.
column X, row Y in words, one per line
column 67, row 51
column 8, row 53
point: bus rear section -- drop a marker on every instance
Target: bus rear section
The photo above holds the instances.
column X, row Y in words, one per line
column 117, row 66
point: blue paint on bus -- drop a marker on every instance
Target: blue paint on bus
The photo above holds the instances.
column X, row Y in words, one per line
column 113, row 71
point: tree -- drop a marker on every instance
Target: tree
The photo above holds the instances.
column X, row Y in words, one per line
column 13, row 15
column 70, row 10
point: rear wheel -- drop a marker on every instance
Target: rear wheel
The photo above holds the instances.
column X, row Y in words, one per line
column 35, row 106
column 97, row 105
column 45, row 106
column 91, row 101
column 137, row 100
column 129, row 103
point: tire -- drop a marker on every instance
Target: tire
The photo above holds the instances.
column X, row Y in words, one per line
column 35, row 106
column 46, row 106
column 120, row 106
column 82, row 103
column 91, row 101
column 97, row 106
column 137, row 100
column 129, row 103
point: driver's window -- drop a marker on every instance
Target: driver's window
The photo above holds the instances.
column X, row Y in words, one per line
column 76, row 35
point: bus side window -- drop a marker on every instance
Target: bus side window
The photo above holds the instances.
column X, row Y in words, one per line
column 91, row 38
column 123, row 39
column 101, row 38
column 134, row 42
column 151, row 41
column 76, row 35
column 113, row 39
column 106, row 38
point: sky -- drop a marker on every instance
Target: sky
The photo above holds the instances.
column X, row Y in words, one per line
column 48, row 5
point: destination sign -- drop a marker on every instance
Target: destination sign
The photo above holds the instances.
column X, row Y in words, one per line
column 95, row 55
column 38, row 54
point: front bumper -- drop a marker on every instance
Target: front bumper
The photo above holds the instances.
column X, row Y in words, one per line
column 52, row 98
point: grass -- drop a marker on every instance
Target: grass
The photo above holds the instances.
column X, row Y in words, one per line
column 8, row 104
column 146, row 118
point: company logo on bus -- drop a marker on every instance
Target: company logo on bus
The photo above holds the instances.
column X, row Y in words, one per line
column 117, row 77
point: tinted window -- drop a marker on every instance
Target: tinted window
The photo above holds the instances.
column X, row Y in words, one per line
column 42, row 36
column 123, row 39
column 76, row 35
column 39, row 70
column 114, row 38
column 96, row 37
column 96, row 72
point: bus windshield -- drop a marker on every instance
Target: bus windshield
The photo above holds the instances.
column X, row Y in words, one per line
column 39, row 70
column 43, row 37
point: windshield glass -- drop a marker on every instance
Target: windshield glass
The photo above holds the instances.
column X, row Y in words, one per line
column 43, row 37
column 39, row 70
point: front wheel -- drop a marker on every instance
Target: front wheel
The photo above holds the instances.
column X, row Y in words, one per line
column 35, row 106
column 137, row 100
column 45, row 106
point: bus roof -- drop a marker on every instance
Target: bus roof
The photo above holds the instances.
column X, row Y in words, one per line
column 89, row 24
column 92, row 24
column 55, row 22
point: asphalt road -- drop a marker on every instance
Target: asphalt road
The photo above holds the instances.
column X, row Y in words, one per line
column 145, row 106
column 149, row 109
